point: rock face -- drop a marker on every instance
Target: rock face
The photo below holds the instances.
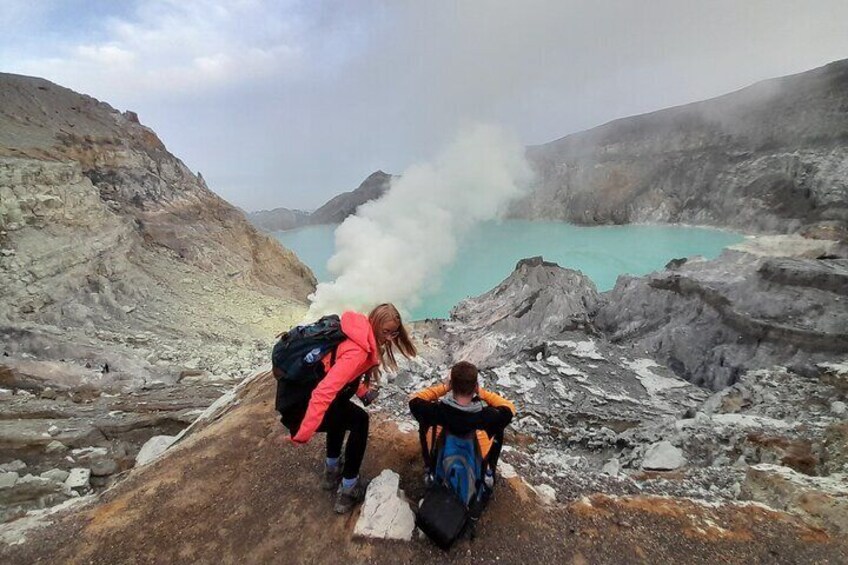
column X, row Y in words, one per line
column 709, row 321
column 333, row 212
column 770, row 157
column 123, row 280
column 537, row 301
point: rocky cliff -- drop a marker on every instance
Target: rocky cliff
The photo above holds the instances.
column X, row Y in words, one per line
column 122, row 274
column 772, row 157
column 333, row 212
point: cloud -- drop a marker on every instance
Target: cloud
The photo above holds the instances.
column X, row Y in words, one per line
column 165, row 48
column 394, row 248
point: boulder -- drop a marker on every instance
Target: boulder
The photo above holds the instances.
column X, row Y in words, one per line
column 154, row 447
column 385, row 513
column 55, row 447
column 57, row 475
column 663, row 456
column 8, row 479
column 78, row 479
column 612, row 467
column 16, row 465
column 546, row 494
column 821, row 500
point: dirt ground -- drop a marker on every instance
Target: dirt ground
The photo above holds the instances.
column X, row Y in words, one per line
column 237, row 493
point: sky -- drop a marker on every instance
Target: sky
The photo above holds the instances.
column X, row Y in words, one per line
column 287, row 103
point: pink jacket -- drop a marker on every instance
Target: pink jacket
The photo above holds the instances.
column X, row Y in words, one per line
column 354, row 356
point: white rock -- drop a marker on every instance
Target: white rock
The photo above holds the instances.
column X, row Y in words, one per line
column 16, row 465
column 838, row 407
column 385, row 513
column 506, row 470
column 57, row 475
column 8, row 479
column 546, row 493
column 663, row 456
column 78, row 478
column 5, row 393
column 153, row 448
column 612, row 467
column 53, row 430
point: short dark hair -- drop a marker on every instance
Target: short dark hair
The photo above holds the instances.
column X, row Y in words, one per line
column 463, row 378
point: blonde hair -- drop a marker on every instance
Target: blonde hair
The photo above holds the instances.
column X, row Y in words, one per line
column 378, row 316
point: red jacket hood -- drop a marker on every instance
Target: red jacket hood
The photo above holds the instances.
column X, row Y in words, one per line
column 357, row 328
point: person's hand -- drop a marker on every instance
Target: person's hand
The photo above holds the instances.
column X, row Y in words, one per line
column 291, row 441
column 447, row 383
column 370, row 396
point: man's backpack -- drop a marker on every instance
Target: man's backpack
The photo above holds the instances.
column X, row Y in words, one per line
column 300, row 349
column 456, row 496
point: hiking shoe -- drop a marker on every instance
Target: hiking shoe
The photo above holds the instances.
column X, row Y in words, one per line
column 346, row 499
column 332, row 477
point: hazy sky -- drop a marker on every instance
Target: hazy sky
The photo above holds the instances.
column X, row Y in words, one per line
column 285, row 103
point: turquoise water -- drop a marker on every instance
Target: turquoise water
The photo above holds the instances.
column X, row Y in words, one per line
column 488, row 254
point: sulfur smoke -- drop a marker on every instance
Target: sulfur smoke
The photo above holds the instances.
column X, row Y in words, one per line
column 394, row 248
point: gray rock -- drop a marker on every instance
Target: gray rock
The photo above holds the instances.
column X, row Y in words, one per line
column 16, row 465
column 154, row 447
column 55, row 447
column 103, row 466
column 612, row 468
column 733, row 314
column 663, row 456
column 385, row 513
column 57, row 475
column 8, row 479
column 78, row 479
column 839, row 408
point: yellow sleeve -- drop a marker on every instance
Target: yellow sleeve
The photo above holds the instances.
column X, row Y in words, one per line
column 432, row 393
column 495, row 400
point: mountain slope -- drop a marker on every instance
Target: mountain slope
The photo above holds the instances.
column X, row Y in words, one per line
column 770, row 157
column 333, row 211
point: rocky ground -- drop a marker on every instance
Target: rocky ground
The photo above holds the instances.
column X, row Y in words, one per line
column 233, row 491
column 613, row 456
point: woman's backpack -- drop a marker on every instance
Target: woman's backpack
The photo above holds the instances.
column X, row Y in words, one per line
column 296, row 359
column 300, row 349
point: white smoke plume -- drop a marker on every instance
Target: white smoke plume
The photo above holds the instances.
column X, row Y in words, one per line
column 395, row 247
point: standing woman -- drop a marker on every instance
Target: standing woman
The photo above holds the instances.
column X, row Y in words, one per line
column 370, row 344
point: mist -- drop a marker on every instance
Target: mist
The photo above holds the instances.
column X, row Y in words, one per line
column 394, row 249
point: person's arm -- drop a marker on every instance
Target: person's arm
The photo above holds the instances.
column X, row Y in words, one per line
column 495, row 400
column 432, row 393
column 350, row 363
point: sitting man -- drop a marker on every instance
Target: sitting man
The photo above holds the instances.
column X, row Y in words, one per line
column 461, row 407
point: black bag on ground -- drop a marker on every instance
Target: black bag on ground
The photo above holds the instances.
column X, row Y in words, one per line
column 296, row 359
column 442, row 516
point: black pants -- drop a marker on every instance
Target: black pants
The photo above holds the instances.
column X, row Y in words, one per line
column 345, row 416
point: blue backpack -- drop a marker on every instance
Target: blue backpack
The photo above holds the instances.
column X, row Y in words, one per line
column 447, row 510
column 459, row 466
